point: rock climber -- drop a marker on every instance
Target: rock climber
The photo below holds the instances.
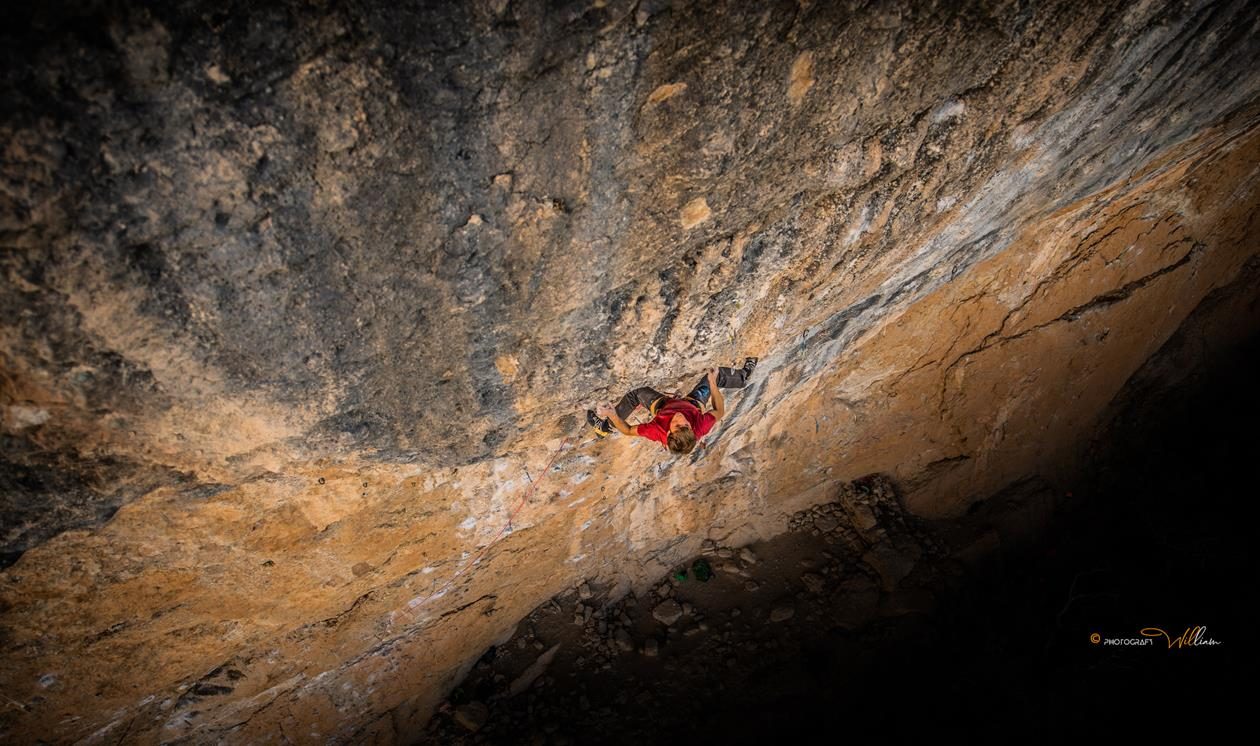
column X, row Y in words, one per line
column 677, row 422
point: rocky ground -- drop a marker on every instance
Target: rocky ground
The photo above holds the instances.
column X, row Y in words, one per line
column 857, row 617
column 585, row 667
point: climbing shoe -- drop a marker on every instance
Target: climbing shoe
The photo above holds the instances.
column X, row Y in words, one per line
column 601, row 427
column 749, row 364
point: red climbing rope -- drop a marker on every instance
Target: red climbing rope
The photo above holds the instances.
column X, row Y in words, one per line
column 417, row 602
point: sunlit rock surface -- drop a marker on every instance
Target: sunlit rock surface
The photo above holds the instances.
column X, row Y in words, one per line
column 300, row 304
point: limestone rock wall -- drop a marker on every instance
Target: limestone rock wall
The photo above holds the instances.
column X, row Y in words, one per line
column 300, row 303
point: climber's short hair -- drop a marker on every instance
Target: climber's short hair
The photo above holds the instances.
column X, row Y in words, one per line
column 681, row 441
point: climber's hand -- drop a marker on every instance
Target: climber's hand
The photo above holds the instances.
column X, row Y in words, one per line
column 603, row 409
column 713, row 372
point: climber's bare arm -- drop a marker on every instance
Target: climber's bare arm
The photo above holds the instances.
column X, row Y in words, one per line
column 611, row 413
column 719, row 401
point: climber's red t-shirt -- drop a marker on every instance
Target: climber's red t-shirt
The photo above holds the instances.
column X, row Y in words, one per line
column 658, row 428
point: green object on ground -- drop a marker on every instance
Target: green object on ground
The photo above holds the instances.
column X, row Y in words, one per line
column 680, row 574
column 702, row 570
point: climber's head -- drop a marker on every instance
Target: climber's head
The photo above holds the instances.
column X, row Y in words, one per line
column 681, row 437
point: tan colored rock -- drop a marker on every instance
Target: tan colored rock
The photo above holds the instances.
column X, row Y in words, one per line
column 801, row 79
column 782, row 613
column 667, row 612
column 216, row 75
column 694, row 213
column 535, row 669
column 666, row 92
column 863, row 518
column 507, row 366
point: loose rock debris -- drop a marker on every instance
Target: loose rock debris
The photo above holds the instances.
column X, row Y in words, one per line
column 621, row 667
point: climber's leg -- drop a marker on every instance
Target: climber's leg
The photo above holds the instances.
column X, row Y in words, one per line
column 732, row 378
column 727, row 378
column 642, row 396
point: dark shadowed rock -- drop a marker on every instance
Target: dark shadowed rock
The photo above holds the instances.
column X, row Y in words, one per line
column 667, row 612
column 472, row 715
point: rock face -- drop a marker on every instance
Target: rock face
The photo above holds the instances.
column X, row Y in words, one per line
column 301, row 306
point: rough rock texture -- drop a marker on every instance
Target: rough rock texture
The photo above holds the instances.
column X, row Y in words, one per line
column 300, row 304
